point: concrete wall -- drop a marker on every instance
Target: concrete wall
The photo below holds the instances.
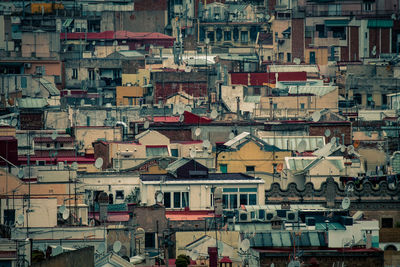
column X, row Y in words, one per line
column 83, row 257
column 43, row 211
column 43, row 44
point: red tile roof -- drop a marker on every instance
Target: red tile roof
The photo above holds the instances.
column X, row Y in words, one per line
column 165, row 119
column 117, row 35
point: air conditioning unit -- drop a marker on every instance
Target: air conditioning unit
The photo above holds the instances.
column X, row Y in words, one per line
column 244, row 216
column 291, row 216
column 28, row 65
column 269, row 214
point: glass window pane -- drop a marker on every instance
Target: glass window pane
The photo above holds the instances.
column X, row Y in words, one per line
column 167, row 199
column 243, row 199
column 177, row 199
column 233, row 200
column 252, row 199
column 185, row 199
column 225, row 201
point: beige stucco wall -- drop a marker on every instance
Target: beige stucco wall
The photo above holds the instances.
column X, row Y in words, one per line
column 199, row 194
column 90, row 134
column 43, row 211
column 154, row 138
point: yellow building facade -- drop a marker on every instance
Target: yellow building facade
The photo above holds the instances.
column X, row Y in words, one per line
column 251, row 158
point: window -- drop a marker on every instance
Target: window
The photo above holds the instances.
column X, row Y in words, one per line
column 244, row 36
column 223, row 168
column 119, row 194
column 91, row 74
column 357, row 99
column 178, row 199
column 320, row 28
column 370, row 101
column 47, row 145
column 9, row 217
column 302, row 105
column 280, row 56
column 167, row 199
column 289, row 57
column 367, row 6
column 227, row 36
column 250, row 168
column 174, row 152
column 211, row 36
column 384, row 100
column 74, row 74
column 149, row 240
column 275, row 105
column 387, row 223
column 23, row 82
column 154, row 151
column 232, row 198
column 41, row 70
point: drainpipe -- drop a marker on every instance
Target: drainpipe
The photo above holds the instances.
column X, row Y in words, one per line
column 238, row 108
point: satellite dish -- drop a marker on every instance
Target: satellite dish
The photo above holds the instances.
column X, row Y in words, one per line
column 245, row 245
column 181, row 109
column 374, row 50
column 206, row 144
column 117, row 246
column 82, row 102
column 297, row 61
column 345, row 203
column 14, row 121
column 188, row 109
column 267, row 16
column 316, row 116
column 62, row 209
column 395, row 106
column 194, row 254
column 181, row 118
column 54, row 136
column 192, row 153
column 333, row 140
column 393, row 16
column 102, row 248
column 320, row 144
column 98, row 163
column 21, row 173
column 231, row 135
column 327, row 133
column 146, row 124
column 159, row 197
column 20, row 219
column 65, row 214
column 214, row 114
column 197, row 132
column 302, row 146
column 74, row 165
column 342, row 148
column 57, row 250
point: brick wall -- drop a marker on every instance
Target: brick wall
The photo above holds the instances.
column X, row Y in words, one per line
column 298, row 39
